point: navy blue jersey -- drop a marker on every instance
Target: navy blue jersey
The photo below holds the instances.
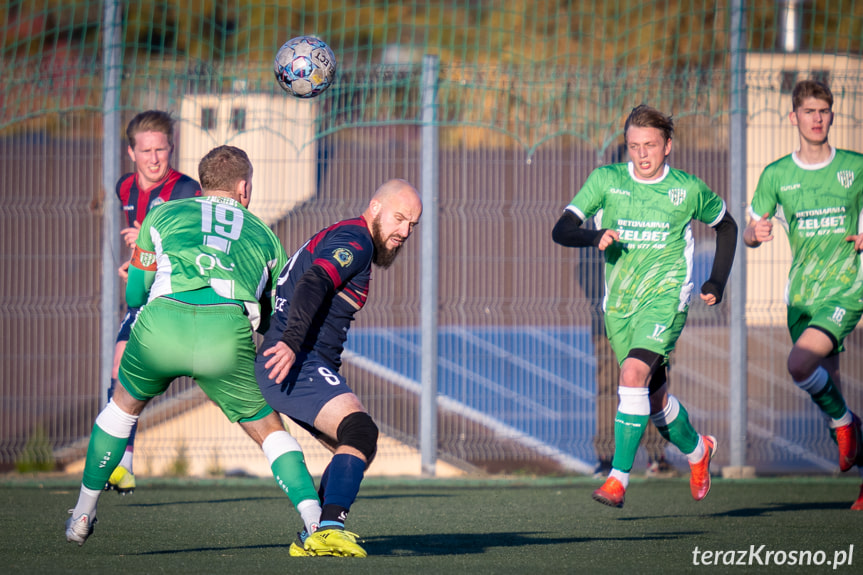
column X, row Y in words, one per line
column 137, row 203
column 345, row 251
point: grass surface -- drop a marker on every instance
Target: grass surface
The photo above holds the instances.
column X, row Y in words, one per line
column 445, row 526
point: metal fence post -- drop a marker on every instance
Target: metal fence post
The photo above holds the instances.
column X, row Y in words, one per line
column 429, row 270
column 111, row 54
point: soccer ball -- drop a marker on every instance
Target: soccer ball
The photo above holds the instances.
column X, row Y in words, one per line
column 305, row 66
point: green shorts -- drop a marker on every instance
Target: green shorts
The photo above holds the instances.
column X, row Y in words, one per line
column 654, row 328
column 211, row 343
column 836, row 316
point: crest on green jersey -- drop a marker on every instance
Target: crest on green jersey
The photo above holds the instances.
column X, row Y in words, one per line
column 676, row 195
column 148, row 259
column 343, row 256
column 845, row 177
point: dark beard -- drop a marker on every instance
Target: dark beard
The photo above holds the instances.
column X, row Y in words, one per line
column 384, row 257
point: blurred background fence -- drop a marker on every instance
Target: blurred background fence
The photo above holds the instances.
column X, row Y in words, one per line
column 530, row 97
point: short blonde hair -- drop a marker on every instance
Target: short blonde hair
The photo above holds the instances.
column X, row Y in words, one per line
column 151, row 121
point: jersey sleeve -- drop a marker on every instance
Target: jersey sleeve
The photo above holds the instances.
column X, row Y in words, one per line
column 118, row 189
column 764, row 200
column 343, row 255
column 589, row 198
column 711, row 208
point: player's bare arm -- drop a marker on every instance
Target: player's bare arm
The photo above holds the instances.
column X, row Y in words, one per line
column 758, row 231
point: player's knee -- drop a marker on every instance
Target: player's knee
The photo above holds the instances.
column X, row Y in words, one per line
column 800, row 367
column 360, row 432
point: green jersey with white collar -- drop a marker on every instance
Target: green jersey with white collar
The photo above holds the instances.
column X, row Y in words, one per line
column 819, row 206
column 653, row 257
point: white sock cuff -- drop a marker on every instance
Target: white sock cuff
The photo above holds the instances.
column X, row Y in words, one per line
column 116, row 422
column 278, row 443
column 308, row 504
column 621, row 476
column 815, row 382
column 310, row 511
column 91, row 492
column 842, row 421
column 668, row 414
column 633, row 400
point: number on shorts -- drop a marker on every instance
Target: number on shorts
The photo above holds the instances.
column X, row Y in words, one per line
column 329, row 376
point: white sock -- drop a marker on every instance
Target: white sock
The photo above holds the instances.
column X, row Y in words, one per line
column 815, row 383
column 844, row 420
column 87, row 500
column 126, row 462
column 633, row 400
column 114, row 421
column 668, row 414
column 310, row 511
column 621, row 476
column 698, row 453
column 277, row 444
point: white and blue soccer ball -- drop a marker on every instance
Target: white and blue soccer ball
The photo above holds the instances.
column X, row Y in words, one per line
column 305, row 66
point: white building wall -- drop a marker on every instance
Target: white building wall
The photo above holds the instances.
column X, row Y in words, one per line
column 277, row 132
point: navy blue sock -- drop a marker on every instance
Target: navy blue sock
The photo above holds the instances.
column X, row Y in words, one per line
column 344, row 475
column 322, row 488
column 132, row 436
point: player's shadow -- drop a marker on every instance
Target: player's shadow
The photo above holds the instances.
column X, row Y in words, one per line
column 205, row 501
column 387, row 496
column 275, row 498
column 432, row 544
column 764, row 510
column 769, row 509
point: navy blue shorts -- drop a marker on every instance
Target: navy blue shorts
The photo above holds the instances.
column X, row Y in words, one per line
column 128, row 321
column 310, row 384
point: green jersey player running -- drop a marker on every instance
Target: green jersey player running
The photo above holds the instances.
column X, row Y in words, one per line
column 817, row 195
column 206, row 269
column 646, row 208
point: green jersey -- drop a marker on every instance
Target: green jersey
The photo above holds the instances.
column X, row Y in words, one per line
column 213, row 241
column 819, row 206
column 653, row 257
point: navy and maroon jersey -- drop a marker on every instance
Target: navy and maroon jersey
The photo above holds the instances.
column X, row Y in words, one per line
column 345, row 250
column 137, row 203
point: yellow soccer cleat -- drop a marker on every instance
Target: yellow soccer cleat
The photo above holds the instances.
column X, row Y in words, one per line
column 122, row 481
column 334, row 542
column 296, row 551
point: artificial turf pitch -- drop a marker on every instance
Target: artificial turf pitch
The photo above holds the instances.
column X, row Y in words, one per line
column 522, row 525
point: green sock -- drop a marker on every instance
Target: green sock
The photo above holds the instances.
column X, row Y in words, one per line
column 830, row 400
column 293, row 477
column 679, row 432
column 103, row 455
column 628, row 430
